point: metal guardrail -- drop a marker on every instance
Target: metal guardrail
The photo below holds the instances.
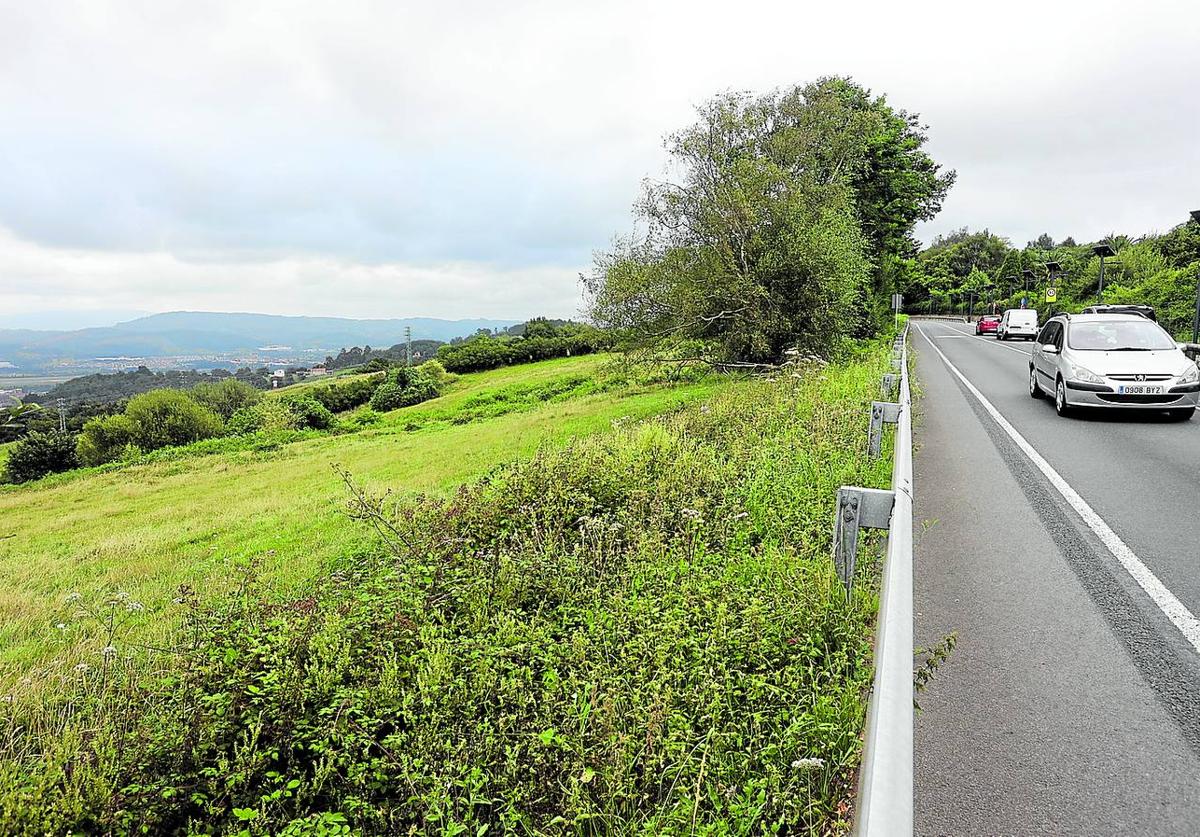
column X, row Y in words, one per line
column 885, row 789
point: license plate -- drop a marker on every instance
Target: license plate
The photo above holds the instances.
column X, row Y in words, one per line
column 1141, row 389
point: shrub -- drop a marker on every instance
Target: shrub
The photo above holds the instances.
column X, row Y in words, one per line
column 227, row 397
column 437, row 373
column 39, row 454
column 269, row 414
column 105, row 439
column 482, row 353
column 310, row 413
column 339, row 397
column 405, row 386
column 167, row 417
column 386, row 397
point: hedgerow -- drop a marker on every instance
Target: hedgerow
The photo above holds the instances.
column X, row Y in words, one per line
column 639, row 633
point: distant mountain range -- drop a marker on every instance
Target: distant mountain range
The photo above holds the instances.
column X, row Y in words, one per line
column 209, row 333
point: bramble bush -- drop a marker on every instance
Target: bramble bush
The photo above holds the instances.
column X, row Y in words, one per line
column 639, row 633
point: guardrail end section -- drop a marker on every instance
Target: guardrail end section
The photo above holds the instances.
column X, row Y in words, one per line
column 857, row 508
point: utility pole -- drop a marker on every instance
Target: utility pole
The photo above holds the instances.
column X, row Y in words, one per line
column 62, row 417
column 408, row 345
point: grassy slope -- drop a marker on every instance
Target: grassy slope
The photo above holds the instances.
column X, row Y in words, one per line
column 147, row 528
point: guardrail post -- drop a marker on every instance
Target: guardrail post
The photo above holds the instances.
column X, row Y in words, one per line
column 857, row 508
column 881, row 412
column 887, row 386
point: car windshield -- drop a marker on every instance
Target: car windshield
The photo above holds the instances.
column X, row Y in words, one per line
column 1119, row 336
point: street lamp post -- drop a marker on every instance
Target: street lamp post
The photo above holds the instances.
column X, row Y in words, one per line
column 1103, row 251
column 1028, row 274
column 1196, row 320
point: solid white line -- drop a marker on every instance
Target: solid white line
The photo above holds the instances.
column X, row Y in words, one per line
column 1172, row 608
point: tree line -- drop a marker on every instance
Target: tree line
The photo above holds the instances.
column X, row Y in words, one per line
column 965, row 271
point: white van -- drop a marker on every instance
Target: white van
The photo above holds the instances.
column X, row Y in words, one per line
column 1018, row 322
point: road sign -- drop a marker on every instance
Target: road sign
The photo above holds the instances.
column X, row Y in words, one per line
column 897, row 301
column 1051, row 294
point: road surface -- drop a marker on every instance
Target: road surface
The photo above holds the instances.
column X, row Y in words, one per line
column 1065, row 553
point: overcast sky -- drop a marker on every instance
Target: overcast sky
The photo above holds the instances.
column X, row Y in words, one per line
column 461, row 159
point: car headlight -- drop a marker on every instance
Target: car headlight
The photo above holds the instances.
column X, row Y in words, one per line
column 1086, row 375
column 1190, row 375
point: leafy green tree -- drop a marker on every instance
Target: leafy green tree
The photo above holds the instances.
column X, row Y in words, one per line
column 39, row 454
column 773, row 232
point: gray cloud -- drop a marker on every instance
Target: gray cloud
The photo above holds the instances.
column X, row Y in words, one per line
column 462, row 159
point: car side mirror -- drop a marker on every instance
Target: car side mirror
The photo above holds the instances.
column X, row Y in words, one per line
column 1050, row 349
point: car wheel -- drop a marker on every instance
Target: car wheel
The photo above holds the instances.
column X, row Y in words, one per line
column 1060, row 399
column 1183, row 414
column 1035, row 391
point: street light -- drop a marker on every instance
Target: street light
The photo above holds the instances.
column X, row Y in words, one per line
column 1103, row 251
column 1028, row 274
column 1196, row 320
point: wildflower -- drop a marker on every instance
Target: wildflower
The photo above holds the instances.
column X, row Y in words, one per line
column 122, row 596
column 808, row 764
column 134, row 607
column 73, row 597
column 62, row 626
column 82, row 668
column 108, row 650
column 690, row 514
column 6, row 699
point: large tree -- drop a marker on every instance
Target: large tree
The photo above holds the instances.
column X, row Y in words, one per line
column 777, row 221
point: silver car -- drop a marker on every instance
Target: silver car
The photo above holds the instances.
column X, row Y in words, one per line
column 1112, row 360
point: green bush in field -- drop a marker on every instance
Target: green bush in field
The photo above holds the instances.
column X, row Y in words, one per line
column 346, row 395
column 226, row 397
column 404, row 387
column 105, row 439
column 639, row 634
column 437, row 373
column 270, row 414
column 166, row 417
column 39, row 454
column 157, row 419
column 310, row 413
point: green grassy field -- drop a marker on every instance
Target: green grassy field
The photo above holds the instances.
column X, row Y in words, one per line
column 145, row 529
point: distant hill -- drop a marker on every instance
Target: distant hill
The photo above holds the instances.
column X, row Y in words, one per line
column 201, row 332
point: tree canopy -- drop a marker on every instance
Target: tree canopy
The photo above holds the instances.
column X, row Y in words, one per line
column 782, row 221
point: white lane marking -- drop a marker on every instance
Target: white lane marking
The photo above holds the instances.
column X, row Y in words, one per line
column 992, row 342
column 1172, row 608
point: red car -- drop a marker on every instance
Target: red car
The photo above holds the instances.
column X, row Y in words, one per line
column 987, row 324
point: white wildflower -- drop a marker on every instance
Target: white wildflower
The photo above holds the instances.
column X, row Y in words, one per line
column 62, row 626
column 73, row 597
column 82, row 668
column 808, row 764
column 109, row 650
column 134, row 607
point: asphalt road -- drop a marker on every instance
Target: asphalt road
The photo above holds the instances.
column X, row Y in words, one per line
column 1065, row 554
